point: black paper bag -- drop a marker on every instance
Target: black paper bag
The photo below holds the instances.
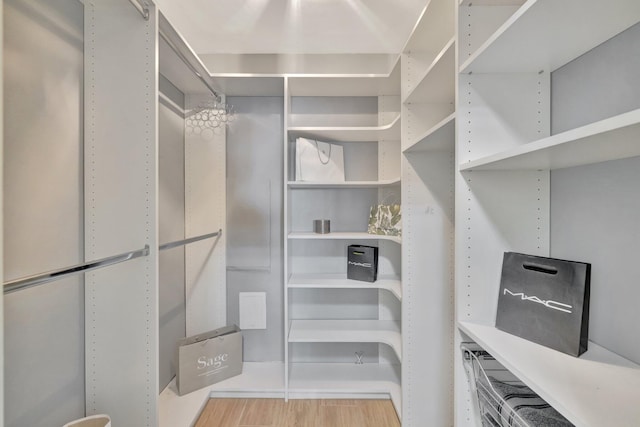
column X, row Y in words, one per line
column 545, row 300
column 362, row 263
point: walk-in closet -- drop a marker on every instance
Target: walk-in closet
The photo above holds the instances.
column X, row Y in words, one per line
column 320, row 199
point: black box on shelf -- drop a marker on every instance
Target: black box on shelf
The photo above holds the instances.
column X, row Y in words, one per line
column 545, row 300
column 362, row 263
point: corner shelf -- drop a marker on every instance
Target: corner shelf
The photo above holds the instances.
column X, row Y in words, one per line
column 346, row 84
column 437, row 83
column 342, row 235
column 340, row 281
column 544, row 35
column 440, row 137
column 337, row 331
column 346, row 184
column 389, row 131
column 596, row 389
column 609, row 139
column 307, row 380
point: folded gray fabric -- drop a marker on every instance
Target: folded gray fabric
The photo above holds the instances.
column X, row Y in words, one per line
column 488, row 421
column 517, row 399
column 547, row 417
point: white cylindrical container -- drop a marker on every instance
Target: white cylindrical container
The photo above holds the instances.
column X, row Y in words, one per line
column 91, row 421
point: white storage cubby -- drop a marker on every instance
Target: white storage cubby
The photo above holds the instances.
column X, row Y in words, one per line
column 328, row 317
column 505, row 158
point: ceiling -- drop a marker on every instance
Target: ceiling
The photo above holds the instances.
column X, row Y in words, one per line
column 293, row 26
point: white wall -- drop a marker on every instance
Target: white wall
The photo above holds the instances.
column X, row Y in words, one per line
column 44, row 326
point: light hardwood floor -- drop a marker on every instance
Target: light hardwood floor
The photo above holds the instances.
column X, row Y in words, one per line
column 298, row 413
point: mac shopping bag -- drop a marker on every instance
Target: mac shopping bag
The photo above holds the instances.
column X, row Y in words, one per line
column 546, row 301
column 362, row 263
column 319, row 161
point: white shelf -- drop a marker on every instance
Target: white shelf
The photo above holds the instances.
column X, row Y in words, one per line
column 346, row 184
column 437, row 84
column 599, row 388
column 249, row 85
column 339, row 379
column 257, row 380
column 441, row 137
column 435, row 25
column 609, row 139
column 342, row 378
column 546, row 34
column 388, row 132
column 346, row 84
column 341, row 235
column 340, row 281
column 333, row 331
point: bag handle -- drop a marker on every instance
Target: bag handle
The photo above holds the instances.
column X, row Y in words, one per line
column 318, row 151
column 540, row 268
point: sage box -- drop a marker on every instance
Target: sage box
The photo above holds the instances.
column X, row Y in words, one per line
column 208, row 358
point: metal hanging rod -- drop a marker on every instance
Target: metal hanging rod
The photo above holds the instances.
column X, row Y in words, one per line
column 164, row 28
column 142, row 7
column 39, row 279
column 189, row 240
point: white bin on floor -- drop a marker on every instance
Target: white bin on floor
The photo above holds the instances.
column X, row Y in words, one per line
column 92, row 421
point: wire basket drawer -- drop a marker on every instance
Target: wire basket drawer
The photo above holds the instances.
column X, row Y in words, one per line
column 501, row 399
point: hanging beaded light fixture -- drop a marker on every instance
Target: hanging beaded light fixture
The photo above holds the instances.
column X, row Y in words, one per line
column 211, row 114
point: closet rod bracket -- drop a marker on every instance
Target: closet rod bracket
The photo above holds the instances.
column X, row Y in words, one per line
column 142, row 7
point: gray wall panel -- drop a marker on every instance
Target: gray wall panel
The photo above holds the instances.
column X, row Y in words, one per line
column 43, row 226
column 594, row 218
column 599, row 84
column 171, row 217
column 594, row 208
column 254, row 218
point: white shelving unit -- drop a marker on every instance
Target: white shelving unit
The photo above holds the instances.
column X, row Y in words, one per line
column 339, row 380
column 340, row 281
column 428, row 137
column 437, row 83
column 346, row 184
column 346, row 84
column 390, row 131
column 112, row 96
column 518, row 45
column 361, row 112
column 504, row 202
column 341, row 235
column 599, row 388
column 324, row 331
column 609, row 139
column 439, row 138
